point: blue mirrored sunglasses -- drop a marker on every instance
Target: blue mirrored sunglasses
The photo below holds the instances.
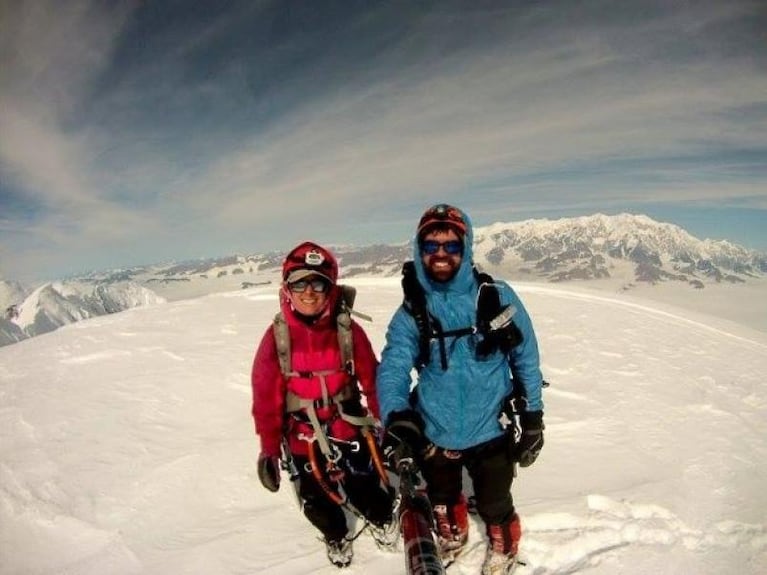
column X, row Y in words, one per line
column 431, row 247
column 318, row 286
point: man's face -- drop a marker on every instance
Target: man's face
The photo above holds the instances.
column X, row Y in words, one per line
column 440, row 265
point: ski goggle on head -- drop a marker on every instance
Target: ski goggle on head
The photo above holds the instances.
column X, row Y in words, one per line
column 442, row 215
column 431, row 247
column 317, row 285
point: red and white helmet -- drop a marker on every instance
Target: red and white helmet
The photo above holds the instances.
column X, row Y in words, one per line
column 442, row 215
column 308, row 259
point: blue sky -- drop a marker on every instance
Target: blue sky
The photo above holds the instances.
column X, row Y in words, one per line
column 143, row 131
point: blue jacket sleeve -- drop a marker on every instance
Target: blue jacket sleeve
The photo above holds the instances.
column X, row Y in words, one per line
column 393, row 380
column 524, row 359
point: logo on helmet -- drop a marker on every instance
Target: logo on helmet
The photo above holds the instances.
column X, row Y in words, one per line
column 314, row 258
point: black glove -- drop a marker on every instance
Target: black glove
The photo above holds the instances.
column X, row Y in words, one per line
column 403, row 438
column 269, row 471
column 531, row 441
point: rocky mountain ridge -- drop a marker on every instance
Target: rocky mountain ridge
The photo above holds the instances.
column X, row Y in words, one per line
column 55, row 304
column 633, row 249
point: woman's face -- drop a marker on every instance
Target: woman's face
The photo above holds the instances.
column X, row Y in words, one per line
column 309, row 295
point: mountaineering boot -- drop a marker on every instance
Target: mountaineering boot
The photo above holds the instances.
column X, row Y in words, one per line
column 339, row 552
column 386, row 532
column 385, row 535
column 452, row 523
column 502, row 547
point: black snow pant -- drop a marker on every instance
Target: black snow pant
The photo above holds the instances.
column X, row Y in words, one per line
column 360, row 482
column 490, row 466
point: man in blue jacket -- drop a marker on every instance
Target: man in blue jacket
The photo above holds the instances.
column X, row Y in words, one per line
column 467, row 373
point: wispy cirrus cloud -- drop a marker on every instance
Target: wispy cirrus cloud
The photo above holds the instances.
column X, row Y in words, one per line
column 172, row 131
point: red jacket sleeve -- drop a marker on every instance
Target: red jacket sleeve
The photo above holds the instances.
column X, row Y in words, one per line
column 366, row 364
column 268, row 395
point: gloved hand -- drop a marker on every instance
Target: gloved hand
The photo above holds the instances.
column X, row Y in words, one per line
column 531, row 441
column 269, row 471
column 403, row 437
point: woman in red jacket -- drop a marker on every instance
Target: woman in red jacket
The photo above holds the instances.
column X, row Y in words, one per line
column 306, row 397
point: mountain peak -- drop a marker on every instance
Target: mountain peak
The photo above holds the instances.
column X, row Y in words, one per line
column 596, row 246
column 632, row 248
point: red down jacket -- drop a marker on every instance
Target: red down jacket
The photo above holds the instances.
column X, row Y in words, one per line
column 313, row 348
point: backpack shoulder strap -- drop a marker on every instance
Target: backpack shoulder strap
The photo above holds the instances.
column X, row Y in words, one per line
column 488, row 299
column 414, row 302
column 344, row 326
column 282, row 342
column 494, row 321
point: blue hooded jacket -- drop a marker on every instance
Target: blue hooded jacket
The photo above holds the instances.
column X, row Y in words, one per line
column 460, row 406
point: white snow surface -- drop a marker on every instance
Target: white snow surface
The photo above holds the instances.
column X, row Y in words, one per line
column 128, row 445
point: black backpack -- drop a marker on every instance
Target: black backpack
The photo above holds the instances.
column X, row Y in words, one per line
column 494, row 323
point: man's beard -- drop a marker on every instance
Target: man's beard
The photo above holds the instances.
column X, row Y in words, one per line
column 441, row 273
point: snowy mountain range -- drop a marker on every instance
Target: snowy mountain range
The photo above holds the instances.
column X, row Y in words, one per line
column 55, row 304
column 629, row 249
column 633, row 248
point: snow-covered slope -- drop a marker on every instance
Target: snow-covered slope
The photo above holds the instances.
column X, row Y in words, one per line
column 60, row 303
column 128, row 445
column 11, row 294
column 10, row 332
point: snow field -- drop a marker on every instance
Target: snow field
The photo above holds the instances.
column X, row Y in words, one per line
column 128, row 445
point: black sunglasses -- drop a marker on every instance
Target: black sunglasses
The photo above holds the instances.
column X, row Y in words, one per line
column 318, row 286
column 431, row 247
